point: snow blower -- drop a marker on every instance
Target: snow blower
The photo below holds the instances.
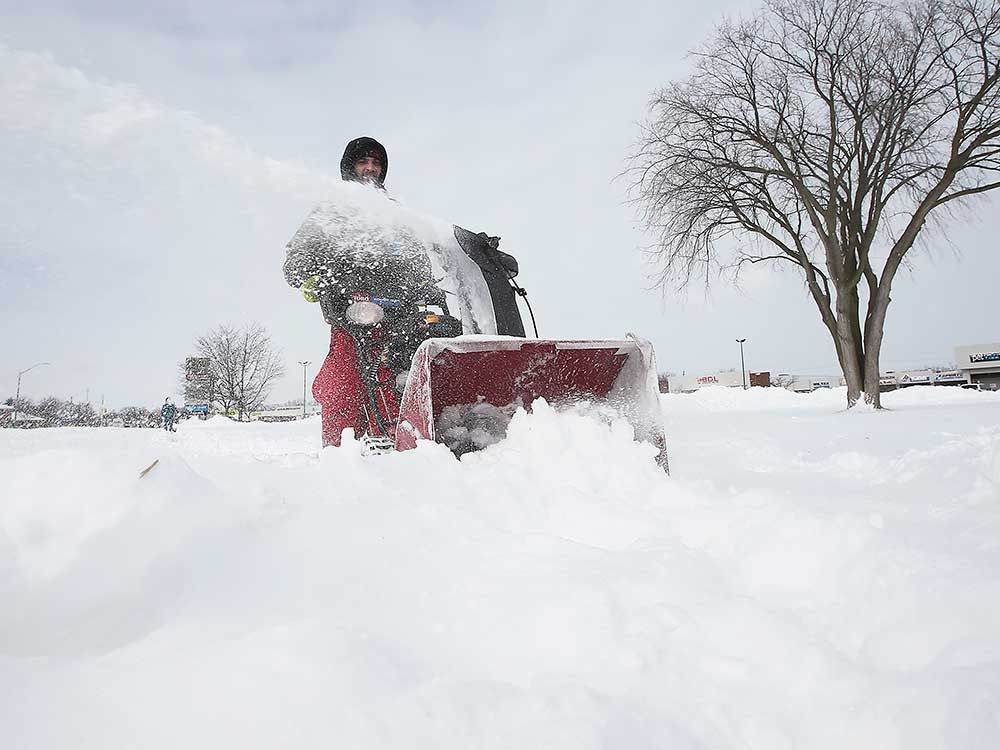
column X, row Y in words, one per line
column 441, row 345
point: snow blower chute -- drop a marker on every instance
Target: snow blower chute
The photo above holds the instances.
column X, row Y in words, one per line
column 439, row 338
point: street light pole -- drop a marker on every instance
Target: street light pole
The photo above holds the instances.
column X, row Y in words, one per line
column 304, row 366
column 743, row 367
column 17, row 397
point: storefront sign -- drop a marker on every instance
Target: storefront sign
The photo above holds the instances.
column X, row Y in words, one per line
column 984, row 357
column 197, row 381
column 949, row 376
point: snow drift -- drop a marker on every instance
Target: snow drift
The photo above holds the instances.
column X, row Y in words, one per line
column 808, row 578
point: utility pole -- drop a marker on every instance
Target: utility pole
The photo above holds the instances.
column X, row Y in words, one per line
column 17, row 397
column 743, row 367
column 304, row 366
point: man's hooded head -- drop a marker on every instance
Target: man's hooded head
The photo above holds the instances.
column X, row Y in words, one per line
column 361, row 149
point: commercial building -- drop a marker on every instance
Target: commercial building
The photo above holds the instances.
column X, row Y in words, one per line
column 691, row 383
column 977, row 364
column 950, row 377
column 728, row 379
column 810, row 383
column 889, row 381
column 980, row 363
column 284, row 413
column 914, row 377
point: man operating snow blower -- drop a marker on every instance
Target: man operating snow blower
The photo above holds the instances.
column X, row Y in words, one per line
column 426, row 338
column 339, row 387
column 379, row 294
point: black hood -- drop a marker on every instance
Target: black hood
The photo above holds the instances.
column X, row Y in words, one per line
column 363, row 146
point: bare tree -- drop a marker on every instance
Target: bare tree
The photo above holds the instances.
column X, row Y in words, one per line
column 781, row 381
column 58, row 412
column 824, row 134
column 245, row 365
column 137, row 416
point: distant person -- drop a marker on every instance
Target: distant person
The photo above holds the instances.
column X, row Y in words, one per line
column 169, row 414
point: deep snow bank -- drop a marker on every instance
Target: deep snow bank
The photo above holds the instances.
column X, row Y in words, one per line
column 720, row 398
column 807, row 578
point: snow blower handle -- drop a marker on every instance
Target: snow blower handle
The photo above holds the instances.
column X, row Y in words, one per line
column 390, row 282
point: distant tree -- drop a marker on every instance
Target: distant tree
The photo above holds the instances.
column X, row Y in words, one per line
column 51, row 409
column 825, row 134
column 60, row 412
column 245, row 365
column 781, row 381
column 75, row 414
column 136, row 416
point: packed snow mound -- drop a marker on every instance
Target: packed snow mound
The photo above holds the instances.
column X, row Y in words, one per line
column 721, row 398
column 802, row 580
column 938, row 395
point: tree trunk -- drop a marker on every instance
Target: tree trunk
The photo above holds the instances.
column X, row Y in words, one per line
column 874, row 331
column 852, row 359
column 873, row 388
column 855, row 322
column 844, row 329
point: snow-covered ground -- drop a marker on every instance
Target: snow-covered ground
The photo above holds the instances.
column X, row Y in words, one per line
column 807, row 578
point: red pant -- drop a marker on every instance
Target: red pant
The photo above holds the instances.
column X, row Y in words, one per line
column 341, row 392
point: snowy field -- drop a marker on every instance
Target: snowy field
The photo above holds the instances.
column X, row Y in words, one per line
column 808, row 578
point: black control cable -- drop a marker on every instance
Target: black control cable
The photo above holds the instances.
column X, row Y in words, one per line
column 493, row 243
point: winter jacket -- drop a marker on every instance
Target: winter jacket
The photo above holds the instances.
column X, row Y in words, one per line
column 308, row 257
column 312, row 261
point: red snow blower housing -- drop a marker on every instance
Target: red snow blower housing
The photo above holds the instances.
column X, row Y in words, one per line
column 462, row 391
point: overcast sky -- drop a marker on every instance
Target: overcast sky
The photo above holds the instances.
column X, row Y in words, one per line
column 155, row 158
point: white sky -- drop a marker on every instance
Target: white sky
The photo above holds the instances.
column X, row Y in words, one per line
column 156, row 157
